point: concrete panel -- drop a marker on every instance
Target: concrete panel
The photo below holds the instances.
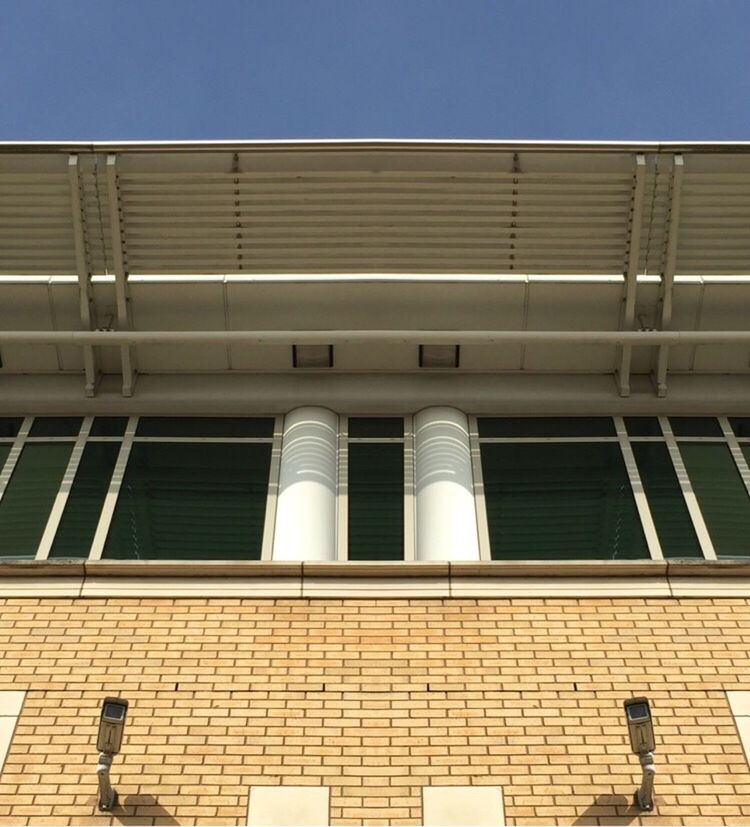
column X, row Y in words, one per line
column 469, row 806
column 739, row 703
column 288, row 807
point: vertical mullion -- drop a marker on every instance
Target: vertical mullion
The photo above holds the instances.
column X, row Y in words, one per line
column 53, row 523
column 342, row 489
column 410, row 545
column 480, row 504
column 110, row 500
column 736, row 451
column 14, row 454
column 636, row 484
column 272, row 496
column 691, row 501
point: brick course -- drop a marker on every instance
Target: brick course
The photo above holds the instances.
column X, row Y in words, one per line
column 375, row 698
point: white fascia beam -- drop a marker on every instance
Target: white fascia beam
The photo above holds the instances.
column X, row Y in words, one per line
column 123, row 338
column 668, row 272
column 121, row 282
column 631, row 273
column 83, row 270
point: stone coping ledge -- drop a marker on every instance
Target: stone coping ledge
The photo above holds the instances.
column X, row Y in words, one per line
column 385, row 569
column 338, row 581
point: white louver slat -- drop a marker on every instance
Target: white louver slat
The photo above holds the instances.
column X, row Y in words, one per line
column 468, row 209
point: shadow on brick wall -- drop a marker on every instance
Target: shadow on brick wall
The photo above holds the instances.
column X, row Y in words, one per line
column 609, row 809
column 142, row 809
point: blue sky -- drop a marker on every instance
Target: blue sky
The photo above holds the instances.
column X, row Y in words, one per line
column 538, row 69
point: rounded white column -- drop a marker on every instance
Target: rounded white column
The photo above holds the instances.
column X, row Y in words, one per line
column 446, row 511
column 305, row 526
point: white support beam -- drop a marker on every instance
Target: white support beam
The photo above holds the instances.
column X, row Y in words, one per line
column 691, row 501
column 121, row 277
column 342, row 491
column 634, row 338
column 736, row 450
column 668, row 271
column 273, row 490
column 61, row 500
column 631, row 273
column 410, row 498
column 83, row 269
column 639, row 493
column 6, row 471
column 113, row 492
column 483, row 530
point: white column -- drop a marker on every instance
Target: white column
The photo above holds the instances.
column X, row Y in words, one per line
column 446, row 513
column 306, row 506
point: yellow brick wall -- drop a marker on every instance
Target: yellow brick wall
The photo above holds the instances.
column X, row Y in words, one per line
column 376, row 699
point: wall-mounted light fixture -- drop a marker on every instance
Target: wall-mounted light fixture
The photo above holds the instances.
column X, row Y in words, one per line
column 108, row 742
column 643, row 744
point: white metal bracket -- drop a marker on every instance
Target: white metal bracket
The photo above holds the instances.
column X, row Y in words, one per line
column 668, row 272
column 121, row 276
column 83, row 269
column 631, row 273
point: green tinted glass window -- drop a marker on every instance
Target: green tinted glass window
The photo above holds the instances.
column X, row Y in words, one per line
column 10, row 426
column 376, row 501
column 108, row 426
column 191, row 501
column 642, row 426
column 546, row 426
column 383, row 426
column 695, row 426
column 195, row 426
column 28, row 499
column 56, row 426
column 556, row 501
column 721, row 495
column 665, row 499
column 82, row 510
column 4, row 451
column 741, row 425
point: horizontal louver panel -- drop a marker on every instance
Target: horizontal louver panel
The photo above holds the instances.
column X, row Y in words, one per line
column 557, row 501
column 82, row 510
column 722, row 496
column 666, row 501
column 28, row 499
column 376, row 501
column 191, row 501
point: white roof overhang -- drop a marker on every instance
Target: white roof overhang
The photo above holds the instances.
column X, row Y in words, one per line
column 278, row 241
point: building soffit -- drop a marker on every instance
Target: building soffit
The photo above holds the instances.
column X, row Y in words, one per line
column 464, row 238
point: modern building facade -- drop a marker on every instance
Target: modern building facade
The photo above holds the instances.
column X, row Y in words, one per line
column 375, row 476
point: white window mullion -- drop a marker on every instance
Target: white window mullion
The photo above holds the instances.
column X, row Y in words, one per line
column 272, row 497
column 480, row 502
column 410, row 540
column 636, row 484
column 53, row 523
column 342, row 491
column 110, row 500
column 14, row 454
column 691, row 501
column 736, row 451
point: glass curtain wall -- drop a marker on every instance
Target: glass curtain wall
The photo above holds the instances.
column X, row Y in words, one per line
column 375, row 488
column 554, row 488
column 159, row 488
column 558, row 489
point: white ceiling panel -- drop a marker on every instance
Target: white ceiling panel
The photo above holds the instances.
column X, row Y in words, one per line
column 172, row 307
column 572, row 307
